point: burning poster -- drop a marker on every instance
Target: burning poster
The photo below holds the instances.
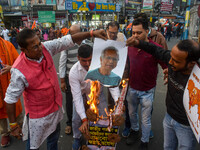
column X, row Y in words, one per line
column 100, row 137
column 191, row 100
column 108, row 62
column 104, row 123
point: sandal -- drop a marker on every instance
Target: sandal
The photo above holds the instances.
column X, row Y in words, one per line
column 68, row 130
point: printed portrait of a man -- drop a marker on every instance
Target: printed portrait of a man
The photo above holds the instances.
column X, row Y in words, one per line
column 108, row 61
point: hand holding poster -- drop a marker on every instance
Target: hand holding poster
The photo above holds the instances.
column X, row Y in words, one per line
column 191, row 101
column 108, row 62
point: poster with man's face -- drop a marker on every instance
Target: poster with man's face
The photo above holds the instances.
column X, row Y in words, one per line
column 108, row 62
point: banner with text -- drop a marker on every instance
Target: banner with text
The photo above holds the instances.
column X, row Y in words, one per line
column 86, row 6
column 46, row 16
column 147, row 4
column 99, row 137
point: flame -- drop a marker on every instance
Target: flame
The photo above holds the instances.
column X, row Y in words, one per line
column 94, row 94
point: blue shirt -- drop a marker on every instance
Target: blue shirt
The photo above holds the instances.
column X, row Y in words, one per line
column 111, row 80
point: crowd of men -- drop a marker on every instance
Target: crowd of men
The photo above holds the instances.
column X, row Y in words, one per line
column 33, row 74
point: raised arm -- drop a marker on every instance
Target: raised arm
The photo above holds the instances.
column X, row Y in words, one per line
column 158, row 52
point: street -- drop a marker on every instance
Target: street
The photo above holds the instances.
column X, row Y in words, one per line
column 65, row 141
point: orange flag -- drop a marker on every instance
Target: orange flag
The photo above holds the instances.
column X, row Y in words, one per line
column 34, row 25
column 129, row 26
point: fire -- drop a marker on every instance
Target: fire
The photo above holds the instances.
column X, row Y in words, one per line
column 94, row 94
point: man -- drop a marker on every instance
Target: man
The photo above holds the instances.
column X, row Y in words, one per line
column 7, row 58
column 67, row 59
column 34, row 75
column 39, row 35
column 180, row 61
column 142, row 82
column 113, row 33
column 153, row 34
column 159, row 39
column 109, row 58
column 5, row 33
column 80, row 89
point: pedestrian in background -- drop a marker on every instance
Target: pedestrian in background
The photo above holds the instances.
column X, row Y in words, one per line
column 51, row 34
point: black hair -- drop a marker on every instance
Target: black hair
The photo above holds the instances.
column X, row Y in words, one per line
column 37, row 30
column 191, row 48
column 85, row 51
column 141, row 21
column 141, row 15
column 23, row 36
column 113, row 24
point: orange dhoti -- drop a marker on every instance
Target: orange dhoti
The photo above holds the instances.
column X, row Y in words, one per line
column 8, row 55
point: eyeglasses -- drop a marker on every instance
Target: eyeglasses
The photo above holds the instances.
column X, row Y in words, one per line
column 111, row 58
column 115, row 33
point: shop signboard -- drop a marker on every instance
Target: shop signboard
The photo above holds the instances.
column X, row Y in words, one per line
column 131, row 6
column 4, row 3
column 42, row 8
column 24, row 3
column 51, row 2
column 15, row 2
column 68, row 5
column 1, row 12
column 118, row 7
column 46, row 16
column 88, row 6
column 147, row 4
column 60, row 4
column 38, row 2
column 166, row 5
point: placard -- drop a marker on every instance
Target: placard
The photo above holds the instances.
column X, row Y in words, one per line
column 191, row 101
column 99, row 137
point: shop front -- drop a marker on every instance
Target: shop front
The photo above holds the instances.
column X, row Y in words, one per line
column 88, row 14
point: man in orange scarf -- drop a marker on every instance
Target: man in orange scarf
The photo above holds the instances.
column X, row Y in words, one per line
column 8, row 55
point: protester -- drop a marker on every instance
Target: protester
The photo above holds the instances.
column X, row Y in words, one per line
column 180, row 60
column 113, row 33
column 80, row 89
column 34, row 75
column 7, row 58
column 159, row 39
column 67, row 59
column 142, row 82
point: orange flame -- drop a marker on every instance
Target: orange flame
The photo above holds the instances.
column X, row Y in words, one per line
column 94, row 94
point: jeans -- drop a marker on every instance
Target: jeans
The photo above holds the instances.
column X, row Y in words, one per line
column 69, row 104
column 177, row 135
column 76, row 120
column 145, row 99
column 52, row 140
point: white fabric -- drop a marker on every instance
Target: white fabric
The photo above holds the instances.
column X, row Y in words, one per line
column 41, row 127
column 79, row 87
column 5, row 34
